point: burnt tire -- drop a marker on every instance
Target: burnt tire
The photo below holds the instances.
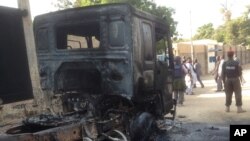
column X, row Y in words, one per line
column 142, row 127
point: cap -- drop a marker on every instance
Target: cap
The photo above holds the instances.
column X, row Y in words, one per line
column 230, row 53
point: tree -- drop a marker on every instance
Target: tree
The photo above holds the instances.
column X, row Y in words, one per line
column 205, row 32
column 219, row 34
column 227, row 14
column 64, row 4
column 232, row 32
column 145, row 5
column 245, row 26
column 237, row 31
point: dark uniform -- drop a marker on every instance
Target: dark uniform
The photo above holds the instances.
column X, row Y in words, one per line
column 179, row 85
column 231, row 76
column 231, row 72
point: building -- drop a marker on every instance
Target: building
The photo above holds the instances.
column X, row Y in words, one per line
column 204, row 50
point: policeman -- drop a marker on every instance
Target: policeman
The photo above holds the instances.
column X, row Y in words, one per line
column 231, row 74
column 179, row 85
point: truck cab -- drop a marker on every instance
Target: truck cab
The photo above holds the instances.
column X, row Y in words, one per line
column 104, row 51
column 99, row 73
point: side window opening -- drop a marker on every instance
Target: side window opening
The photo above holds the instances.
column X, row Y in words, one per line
column 43, row 42
column 78, row 36
column 116, row 33
column 161, row 45
column 148, row 43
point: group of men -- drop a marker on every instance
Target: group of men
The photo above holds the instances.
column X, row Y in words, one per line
column 228, row 77
column 186, row 75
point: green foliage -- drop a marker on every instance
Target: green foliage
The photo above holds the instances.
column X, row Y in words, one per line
column 63, row 4
column 219, row 34
column 145, row 5
column 205, row 32
column 160, row 46
column 236, row 32
column 80, row 3
column 244, row 31
column 232, row 32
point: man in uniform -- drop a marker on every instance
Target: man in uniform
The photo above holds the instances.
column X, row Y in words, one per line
column 179, row 85
column 231, row 74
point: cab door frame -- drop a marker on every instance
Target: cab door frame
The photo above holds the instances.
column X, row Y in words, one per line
column 148, row 54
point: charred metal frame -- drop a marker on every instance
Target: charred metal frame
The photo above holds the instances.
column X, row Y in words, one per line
column 103, row 92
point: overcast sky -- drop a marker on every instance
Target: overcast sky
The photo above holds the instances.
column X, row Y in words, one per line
column 190, row 14
column 37, row 6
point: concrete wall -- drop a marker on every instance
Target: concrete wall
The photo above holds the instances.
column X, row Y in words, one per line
column 204, row 53
column 243, row 54
column 199, row 53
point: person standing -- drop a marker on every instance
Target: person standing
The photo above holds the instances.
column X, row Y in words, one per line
column 190, row 77
column 236, row 58
column 231, row 74
column 179, row 85
column 215, row 72
column 197, row 68
column 242, row 78
column 219, row 78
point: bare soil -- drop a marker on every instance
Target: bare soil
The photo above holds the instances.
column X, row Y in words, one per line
column 203, row 115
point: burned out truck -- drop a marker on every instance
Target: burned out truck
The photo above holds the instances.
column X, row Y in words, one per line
column 100, row 76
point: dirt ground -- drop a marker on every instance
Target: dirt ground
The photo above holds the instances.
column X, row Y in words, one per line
column 203, row 115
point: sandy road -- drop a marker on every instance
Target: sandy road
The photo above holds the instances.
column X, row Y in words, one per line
column 203, row 115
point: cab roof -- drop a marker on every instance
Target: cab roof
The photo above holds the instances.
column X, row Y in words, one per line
column 95, row 12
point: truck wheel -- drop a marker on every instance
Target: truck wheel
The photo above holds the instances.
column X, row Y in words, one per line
column 142, row 127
